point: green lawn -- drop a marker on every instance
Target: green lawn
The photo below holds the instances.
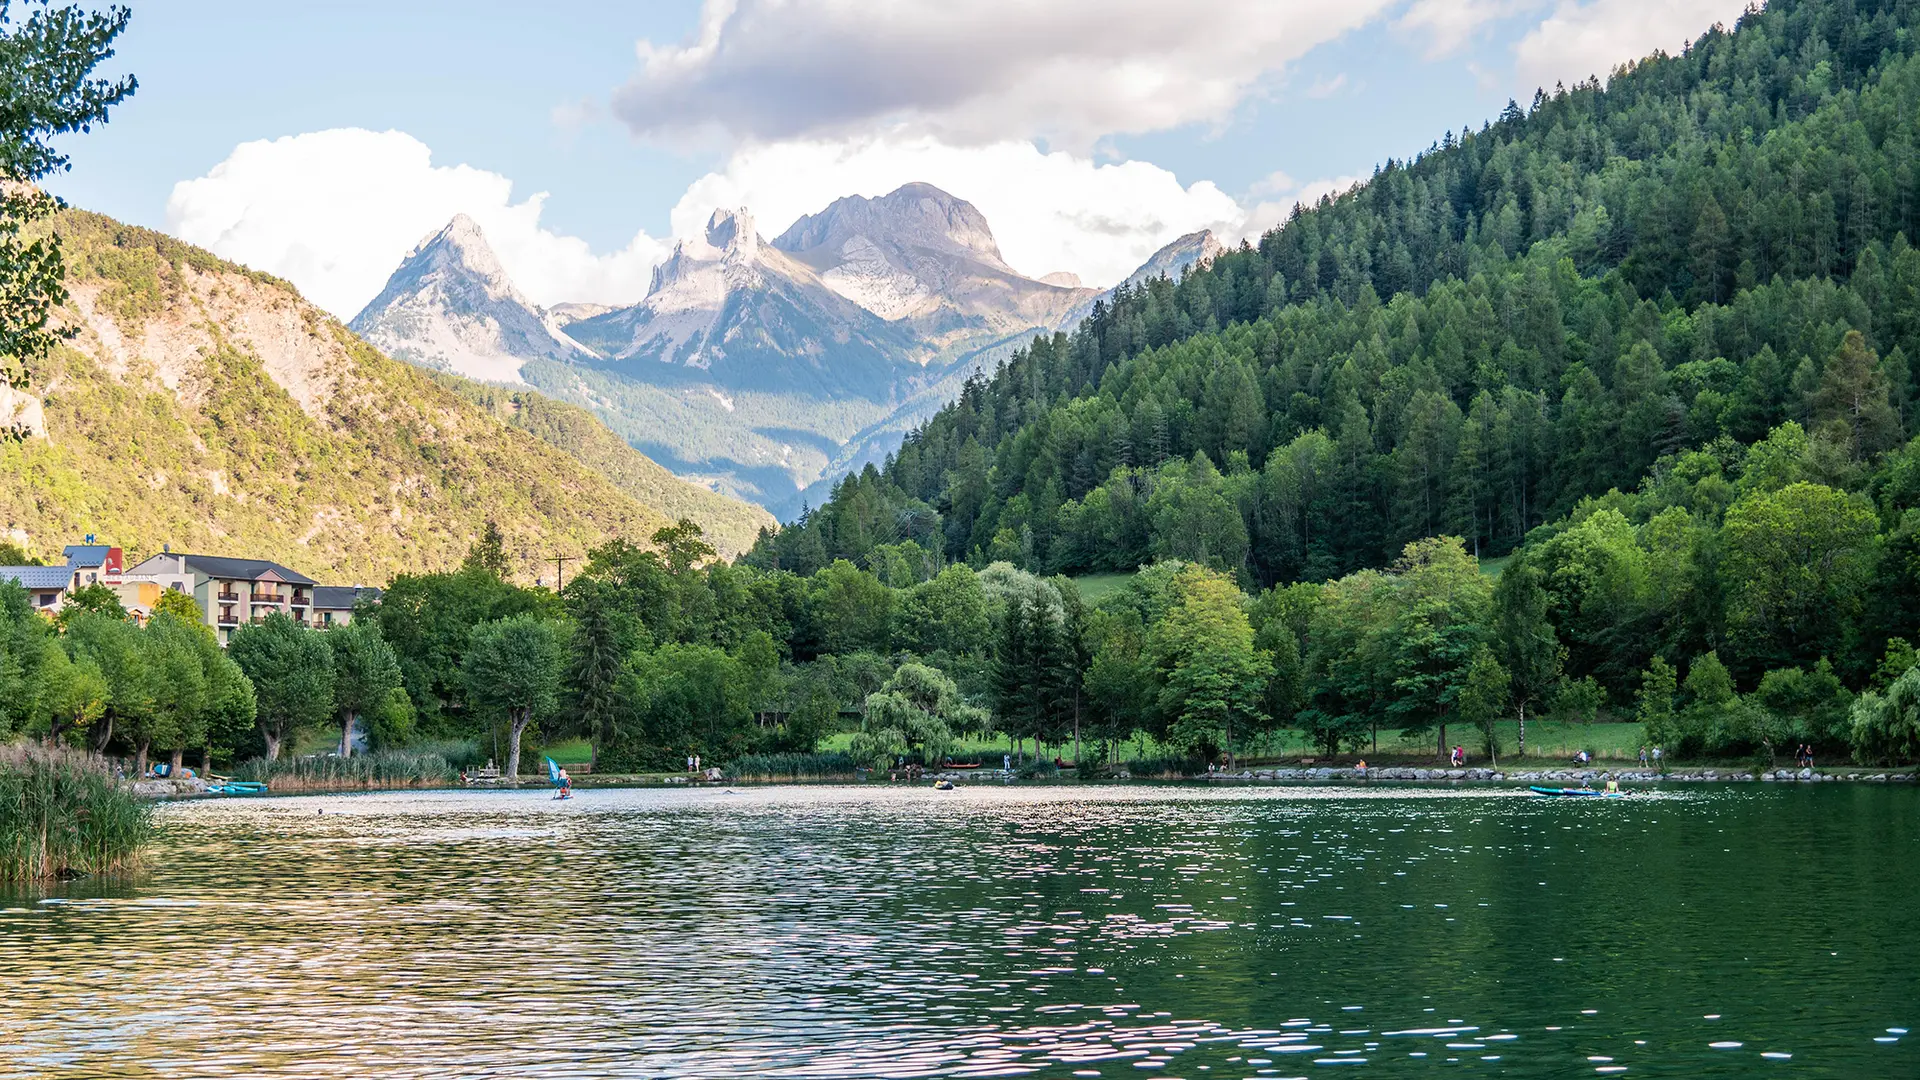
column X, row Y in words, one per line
column 1548, row 742
column 1492, row 567
column 1097, row 587
column 569, row 751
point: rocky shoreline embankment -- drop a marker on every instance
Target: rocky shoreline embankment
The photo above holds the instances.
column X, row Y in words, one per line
column 1568, row 776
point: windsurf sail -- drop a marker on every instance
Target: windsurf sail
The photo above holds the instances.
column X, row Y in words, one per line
column 553, row 771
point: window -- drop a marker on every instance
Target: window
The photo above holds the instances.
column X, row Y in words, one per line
column 327, row 617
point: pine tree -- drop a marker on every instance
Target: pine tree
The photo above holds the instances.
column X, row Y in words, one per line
column 1011, row 669
column 595, row 666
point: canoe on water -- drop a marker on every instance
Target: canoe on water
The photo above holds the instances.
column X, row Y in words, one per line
column 1571, row 791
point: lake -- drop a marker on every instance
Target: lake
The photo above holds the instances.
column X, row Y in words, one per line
column 1118, row 931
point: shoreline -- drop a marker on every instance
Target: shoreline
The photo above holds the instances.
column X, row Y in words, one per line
column 185, row 790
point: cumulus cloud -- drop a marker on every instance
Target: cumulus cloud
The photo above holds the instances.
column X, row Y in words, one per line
column 1069, row 71
column 334, row 212
column 1275, row 196
column 1446, row 26
column 1593, row 38
column 1049, row 211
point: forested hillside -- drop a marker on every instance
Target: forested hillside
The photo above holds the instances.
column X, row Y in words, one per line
column 1473, row 341
column 729, row 522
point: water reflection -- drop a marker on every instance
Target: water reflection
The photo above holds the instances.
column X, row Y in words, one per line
column 895, row 932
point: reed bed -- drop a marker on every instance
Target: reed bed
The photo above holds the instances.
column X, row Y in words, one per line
column 426, row 766
column 832, row 764
column 63, row 815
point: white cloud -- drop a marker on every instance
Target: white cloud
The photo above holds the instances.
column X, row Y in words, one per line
column 1277, row 194
column 1446, row 26
column 1579, row 40
column 334, row 212
column 1326, row 88
column 1069, row 71
column 1049, row 211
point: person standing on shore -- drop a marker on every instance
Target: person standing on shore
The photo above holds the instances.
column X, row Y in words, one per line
column 1643, row 757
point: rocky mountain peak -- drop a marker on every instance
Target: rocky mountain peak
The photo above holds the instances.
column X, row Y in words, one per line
column 450, row 305
column 913, row 215
column 731, row 231
column 1193, row 249
column 461, row 243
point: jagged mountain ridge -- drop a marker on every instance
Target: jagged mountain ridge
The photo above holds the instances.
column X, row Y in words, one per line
column 922, row 255
column 756, row 368
column 732, row 306
column 450, row 306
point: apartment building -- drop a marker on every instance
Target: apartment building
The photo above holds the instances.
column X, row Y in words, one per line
column 232, row 592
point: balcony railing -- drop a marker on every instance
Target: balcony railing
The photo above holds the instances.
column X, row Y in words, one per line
column 229, row 597
column 228, row 618
column 267, row 598
column 300, row 599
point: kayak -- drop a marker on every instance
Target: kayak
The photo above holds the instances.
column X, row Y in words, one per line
column 1568, row 791
column 237, row 787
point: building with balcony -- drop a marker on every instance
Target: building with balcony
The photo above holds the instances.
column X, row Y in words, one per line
column 232, row 592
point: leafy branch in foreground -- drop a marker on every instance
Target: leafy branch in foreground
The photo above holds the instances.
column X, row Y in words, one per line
column 48, row 90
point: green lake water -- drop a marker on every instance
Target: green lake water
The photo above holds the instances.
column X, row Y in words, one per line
column 1126, row 931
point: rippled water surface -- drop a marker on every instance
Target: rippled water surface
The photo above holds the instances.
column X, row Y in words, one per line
column 891, row 932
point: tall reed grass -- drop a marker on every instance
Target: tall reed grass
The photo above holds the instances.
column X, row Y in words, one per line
column 63, row 815
column 793, row 766
column 427, row 765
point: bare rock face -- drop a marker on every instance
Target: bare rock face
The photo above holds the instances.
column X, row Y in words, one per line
column 21, row 413
column 921, row 254
column 450, row 306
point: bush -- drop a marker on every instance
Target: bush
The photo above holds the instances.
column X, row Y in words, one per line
column 62, row 815
column 1886, row 727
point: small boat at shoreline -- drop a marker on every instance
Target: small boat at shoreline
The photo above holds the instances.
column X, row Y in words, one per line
column 237, row 787
column 1569, row 792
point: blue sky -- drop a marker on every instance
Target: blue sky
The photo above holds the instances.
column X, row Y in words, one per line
column 1089, row 133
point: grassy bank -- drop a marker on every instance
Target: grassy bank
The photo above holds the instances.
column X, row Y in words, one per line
column 62, row 815
column 1547, row 740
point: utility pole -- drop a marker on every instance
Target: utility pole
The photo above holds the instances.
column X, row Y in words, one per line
column 559, row 571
